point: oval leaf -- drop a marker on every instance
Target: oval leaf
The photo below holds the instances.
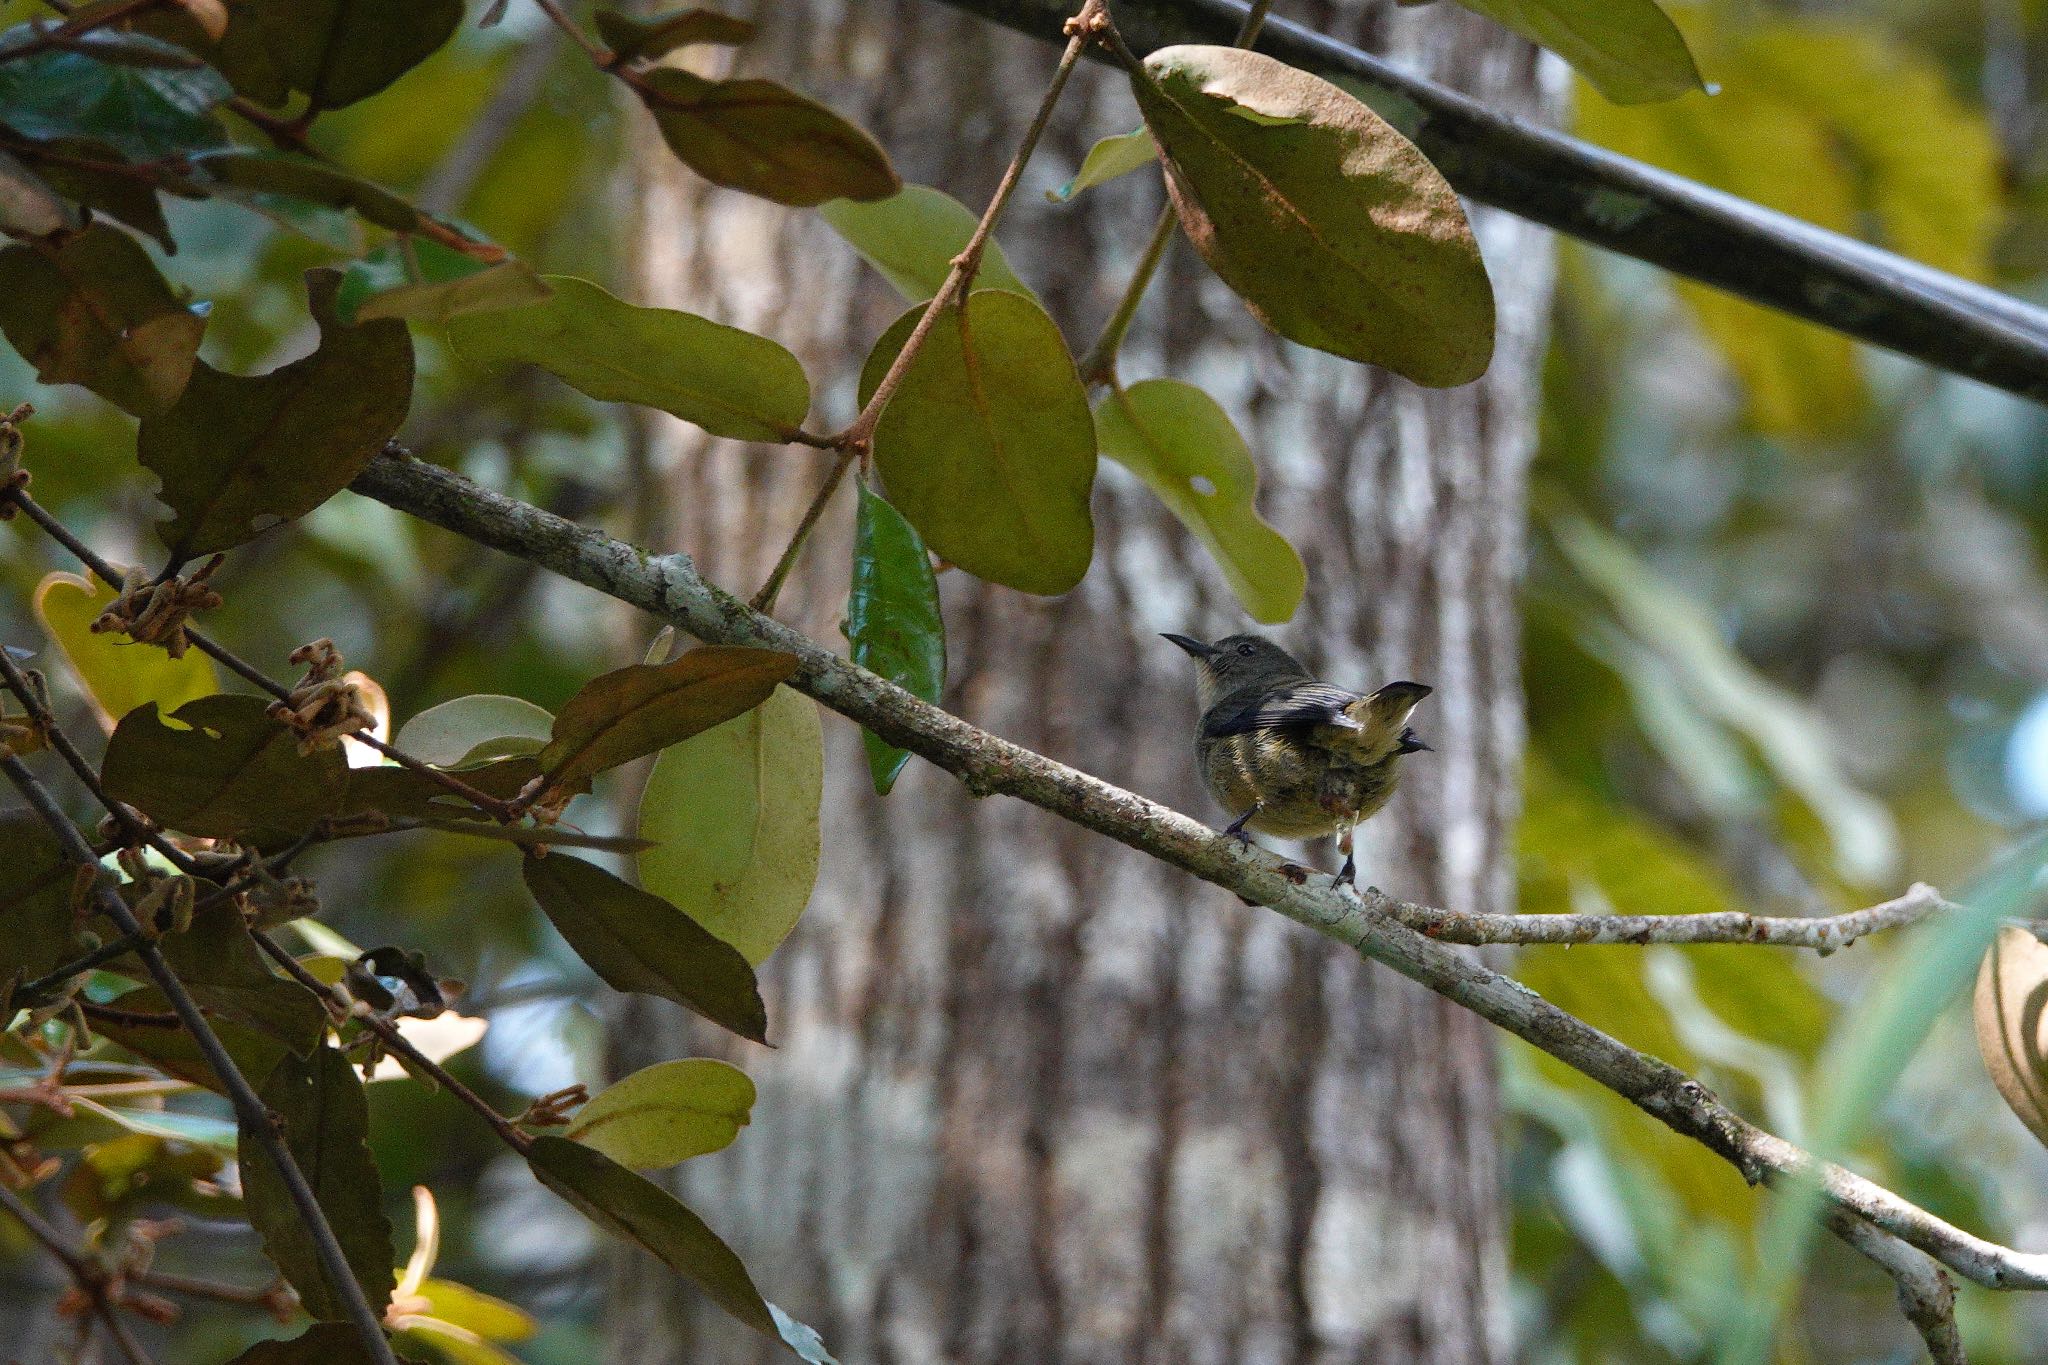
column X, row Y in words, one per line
column 2012, row 989
column 146, row 99
column 334, row 51
column 1629, row 49
column 231, row 772
column 734, row 812
column 116, row 673
column 765, row 139
column 1106, row 160
column 666, row 1113
column 988, row 446
column 431, row 283
column 316, row 182
column 1336, row 231
column 326, row 1126
column 729, row 382
column 644, row 708
column 893, row 618
column 1181, row 442
column 639, row 942
column 635, row 1208
column 912, row 237
column 472, row 730
column 238, row 454
column 94, row 311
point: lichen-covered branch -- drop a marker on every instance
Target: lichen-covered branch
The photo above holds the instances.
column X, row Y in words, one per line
column 1926, row 1295
column 669, row 587
column 1823, row 933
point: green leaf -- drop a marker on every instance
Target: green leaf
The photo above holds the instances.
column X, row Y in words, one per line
column 448, row 285
column 1330, row 225
column 230, row 771
column 146, row 112
column 406, row 793
column 330, row 1343
column 642, row 709
column 988, row 446
column 124, row 198
column 229, row 976
column 765, row 139
column 633, row 39
column 666, row 1113
column 734, row 812
column 1181, row 442
column 334, row 51
column 636, row 941
column 729, row 382
column 38, row 931
column 635, row 1208
column 117, row 674
column 238, row 454
column 912, row 237
column 491, row 1318
column 1629, row 49
column 315, row 182
column 469, row 731
column 326, row 1127
column 92, row 310
column 893, row 618
column 161, row 1040
column 1119, row 154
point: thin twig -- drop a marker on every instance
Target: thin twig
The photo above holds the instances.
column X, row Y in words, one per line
column 1926, row 1294
column 764, row 600
column 67, row 34
column 252, row 1115
column 89, row 1275
column 1823, row 933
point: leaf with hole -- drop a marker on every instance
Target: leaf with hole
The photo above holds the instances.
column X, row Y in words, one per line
column 470, row 731
column 325, row 1123
column 93, row 310
column 734, row 813
column 428, row 283
column 765, row 139
column 666, row 1113
column 1109, row 158
column 1328, row 223
column 1181, row 442
column 729, row 382
column 632, row 38
column 1629, row 49
column 229, row 770
column 116, row 673
column 642, row 709
column 892, row 618
column 987, row 446
column 2010, row 1008
column 238, row 454
column 912, row 237
column 636, row 941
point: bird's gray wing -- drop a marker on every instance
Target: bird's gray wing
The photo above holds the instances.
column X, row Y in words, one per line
column 1303, row 704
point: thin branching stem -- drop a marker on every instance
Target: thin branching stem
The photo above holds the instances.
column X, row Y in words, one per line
column 88, row 1274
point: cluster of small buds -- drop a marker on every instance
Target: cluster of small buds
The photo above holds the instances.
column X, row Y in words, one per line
column 155, row 611
column 325, row 707
column 553, row 1109
column 12, row 476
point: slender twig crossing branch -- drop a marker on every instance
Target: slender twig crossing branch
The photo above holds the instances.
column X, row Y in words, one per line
column 1823, row 933
column 1926, row 1294
column 669, row 587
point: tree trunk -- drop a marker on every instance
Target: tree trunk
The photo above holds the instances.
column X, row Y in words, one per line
column 1038, row 1098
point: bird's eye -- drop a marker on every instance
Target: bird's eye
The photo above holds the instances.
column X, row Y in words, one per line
column 1245, row 650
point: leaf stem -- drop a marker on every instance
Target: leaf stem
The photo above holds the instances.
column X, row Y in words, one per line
column 764, row 600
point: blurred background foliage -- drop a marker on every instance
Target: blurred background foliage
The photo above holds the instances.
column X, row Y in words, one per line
column 1787, row 649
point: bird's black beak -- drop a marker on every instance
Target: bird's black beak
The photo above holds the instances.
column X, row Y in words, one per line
column 1411, row 745
column 1194, row 647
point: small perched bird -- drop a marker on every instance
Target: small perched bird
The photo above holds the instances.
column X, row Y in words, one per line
column 1298, row 758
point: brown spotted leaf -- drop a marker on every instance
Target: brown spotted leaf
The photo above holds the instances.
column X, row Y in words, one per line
column 765, row 139
column 642, row 709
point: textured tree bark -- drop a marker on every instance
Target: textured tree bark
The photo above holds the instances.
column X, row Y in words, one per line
column 1037, row 1099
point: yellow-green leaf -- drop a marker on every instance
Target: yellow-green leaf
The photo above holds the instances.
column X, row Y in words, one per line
column 734, row 812
column 474, row 1311
column 988, row 447
column 912, row 237
column 118, row 674
column 666, row 1113
column 472, row 730
column 1109, row 158
column 1181, row 442
column 1629, row 49
column 1330, row 225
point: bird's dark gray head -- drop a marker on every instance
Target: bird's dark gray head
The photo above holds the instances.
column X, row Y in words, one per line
column 1239, row 661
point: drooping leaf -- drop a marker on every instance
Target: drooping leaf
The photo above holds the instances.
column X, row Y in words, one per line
column 229, row 976
column 2012, row 985
column 116, row 673
column 635, row 39
column 330, row 1343
column 235, row 772
column 334, row 51
column 1330, row 225
column 1181, row 442
column 72, row 167
column 239, row 453
column 988, row 446
column 316, row 182
column 635, row 1208
column 449, row 284
column 765, row 139
column 93, row 310
column 1629, row 49
column 912, row 237
column 325, row 1123
column 636, row 941
column 642, row 709
column 145, row 111
column 734, row 812
column 469, row 731
column 666, row 1113
column 892, row 618
column 729, row 382
column 1119, row 154
column 38, row 932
